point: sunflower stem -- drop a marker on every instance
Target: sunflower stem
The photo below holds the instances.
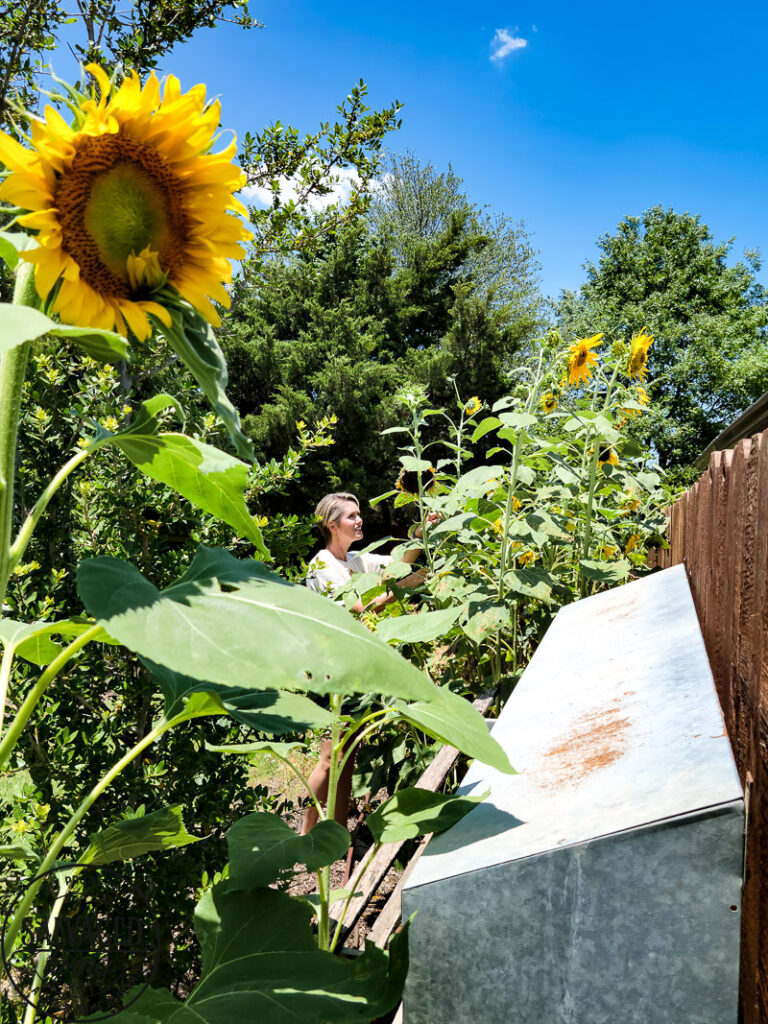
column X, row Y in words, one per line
column 13, row 367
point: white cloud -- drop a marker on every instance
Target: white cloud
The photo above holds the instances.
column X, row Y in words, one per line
column 504, row 43
column 290, row 188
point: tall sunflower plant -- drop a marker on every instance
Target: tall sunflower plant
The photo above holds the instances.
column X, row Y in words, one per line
column 123, row 223
column 542, row 498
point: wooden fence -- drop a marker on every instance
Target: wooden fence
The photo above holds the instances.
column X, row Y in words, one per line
column 719, row 528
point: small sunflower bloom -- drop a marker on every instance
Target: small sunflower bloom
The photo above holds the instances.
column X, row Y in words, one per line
column 608, row 551
column 642, row 395
column 632, row 543
column 638, row 355
column 473, row 406
column 409, row 479
column 607, row 457
column 582, row 359
column 126, row 202
column 527, row 558
column 548, row 403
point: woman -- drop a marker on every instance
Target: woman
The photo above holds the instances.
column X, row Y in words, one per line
column 341, row 525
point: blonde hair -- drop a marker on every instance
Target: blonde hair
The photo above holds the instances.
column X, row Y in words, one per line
column 329, row 509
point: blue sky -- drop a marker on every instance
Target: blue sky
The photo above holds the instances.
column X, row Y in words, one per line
column 590, row 112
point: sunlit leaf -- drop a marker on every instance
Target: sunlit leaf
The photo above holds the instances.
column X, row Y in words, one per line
column 236, row 623
column 261, row 963
column 453, row 720
column 418, row 628
column 32, row 640
column 160, row 830
column 23, row 323
column 417, row 812
column 212, row 480
column 193, row 340
column 605, row 571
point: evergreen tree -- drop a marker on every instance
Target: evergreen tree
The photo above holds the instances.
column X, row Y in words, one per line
column 339, row 329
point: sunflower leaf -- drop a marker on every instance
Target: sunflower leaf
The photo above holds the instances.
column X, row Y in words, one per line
column 417, row 812
column 260, row 962
column 605, row 571
column 11, row 244
column 32, row 640
column 418, row 628
column 223, row 620
column 23, row 323
column 194, row 342
column 212, row 480
column 123, row 840
column 262, row 846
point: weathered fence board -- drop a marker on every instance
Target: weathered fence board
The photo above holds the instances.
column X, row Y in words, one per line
column 719, row 528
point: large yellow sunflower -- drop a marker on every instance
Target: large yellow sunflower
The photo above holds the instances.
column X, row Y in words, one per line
column 582, row 359
column 638, row 355
column 127, row 200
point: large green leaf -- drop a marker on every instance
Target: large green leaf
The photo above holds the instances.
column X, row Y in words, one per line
column 206, row 476
column 417, row 812
column 194, row 342
column 262, row 846
column 32, row 640
column 270, row 711
column 485, row 621
column 237, row 623
column 415, row 628
column 123, row 840
column 261, row 963
column 453, row 720
column 605, row 572
column 530, row 581
column 23, row 323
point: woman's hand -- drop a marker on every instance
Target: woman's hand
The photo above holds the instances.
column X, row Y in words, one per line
column 432, row 518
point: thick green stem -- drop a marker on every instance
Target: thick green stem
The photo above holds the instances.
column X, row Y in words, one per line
column 13, row 367
column 37, row 691
column 14, row 924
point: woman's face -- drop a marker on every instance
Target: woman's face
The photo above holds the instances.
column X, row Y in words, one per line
column 349, row 526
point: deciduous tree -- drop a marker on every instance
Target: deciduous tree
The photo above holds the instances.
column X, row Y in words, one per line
column 708, row 316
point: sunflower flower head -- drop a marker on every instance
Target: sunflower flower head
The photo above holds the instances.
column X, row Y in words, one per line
column 473, row 406
column 408, row 481
column 638, row 355
column 128, row 204
column 582, row 359
column 607, row 457
column 548, row 403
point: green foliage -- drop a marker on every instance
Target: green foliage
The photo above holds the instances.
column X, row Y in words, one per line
column 262, row 847
column 414, row 812
column 159, row 830
column 709, row 358
column 311, row 166
column 566, row 506
column 276, row 973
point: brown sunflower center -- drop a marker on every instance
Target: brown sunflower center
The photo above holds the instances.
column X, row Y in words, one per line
column 117, row 198
column 581, row 356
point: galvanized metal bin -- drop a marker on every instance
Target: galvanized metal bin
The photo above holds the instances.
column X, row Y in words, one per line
column 602, row 884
